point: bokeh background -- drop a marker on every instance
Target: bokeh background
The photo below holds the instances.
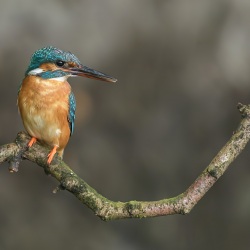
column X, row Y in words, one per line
column 182, row 68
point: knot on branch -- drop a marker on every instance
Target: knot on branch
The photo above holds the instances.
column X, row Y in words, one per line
column 22, row 139
column 244, row 110
column 21, row 142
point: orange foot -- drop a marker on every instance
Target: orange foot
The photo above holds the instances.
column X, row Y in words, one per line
column 32, row 141
column 51, row 154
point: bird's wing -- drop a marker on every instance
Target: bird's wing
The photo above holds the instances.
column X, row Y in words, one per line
column 72, row 110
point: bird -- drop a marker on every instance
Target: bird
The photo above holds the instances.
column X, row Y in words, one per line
column 45, row 100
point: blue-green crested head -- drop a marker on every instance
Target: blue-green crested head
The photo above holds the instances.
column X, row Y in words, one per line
column 51, row 55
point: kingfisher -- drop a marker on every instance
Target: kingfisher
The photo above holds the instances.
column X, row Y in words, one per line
column 45, row 100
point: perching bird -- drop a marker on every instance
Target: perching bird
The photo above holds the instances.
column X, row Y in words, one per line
column 45, row 101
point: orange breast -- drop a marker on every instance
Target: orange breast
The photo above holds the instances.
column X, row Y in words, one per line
column 44, row 106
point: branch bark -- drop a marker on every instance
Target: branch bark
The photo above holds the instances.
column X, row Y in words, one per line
column 111, row 210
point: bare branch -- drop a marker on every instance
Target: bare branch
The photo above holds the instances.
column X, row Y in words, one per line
column 111, row 210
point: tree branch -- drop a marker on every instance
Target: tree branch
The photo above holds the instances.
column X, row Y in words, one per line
column 111, row 210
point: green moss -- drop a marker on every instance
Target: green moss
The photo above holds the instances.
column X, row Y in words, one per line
column 133, row 208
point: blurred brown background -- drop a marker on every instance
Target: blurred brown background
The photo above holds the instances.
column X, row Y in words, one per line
column 182, row 68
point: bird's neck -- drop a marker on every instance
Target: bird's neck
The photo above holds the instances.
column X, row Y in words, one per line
column 45, row 86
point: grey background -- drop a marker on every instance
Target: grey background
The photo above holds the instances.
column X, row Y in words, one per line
column 182, row 68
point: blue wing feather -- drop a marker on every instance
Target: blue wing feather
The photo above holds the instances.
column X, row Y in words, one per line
column 72, row 111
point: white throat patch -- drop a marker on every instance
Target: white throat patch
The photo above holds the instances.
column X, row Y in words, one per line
column 59, row 79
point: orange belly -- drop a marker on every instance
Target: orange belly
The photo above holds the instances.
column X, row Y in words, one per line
column 44, row 107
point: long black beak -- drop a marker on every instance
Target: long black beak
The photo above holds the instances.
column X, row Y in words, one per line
column 91, row 73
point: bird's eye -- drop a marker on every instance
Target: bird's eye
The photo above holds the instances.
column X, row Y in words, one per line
column 60, row 63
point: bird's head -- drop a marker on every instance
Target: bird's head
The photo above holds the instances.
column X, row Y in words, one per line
column 53, row 63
